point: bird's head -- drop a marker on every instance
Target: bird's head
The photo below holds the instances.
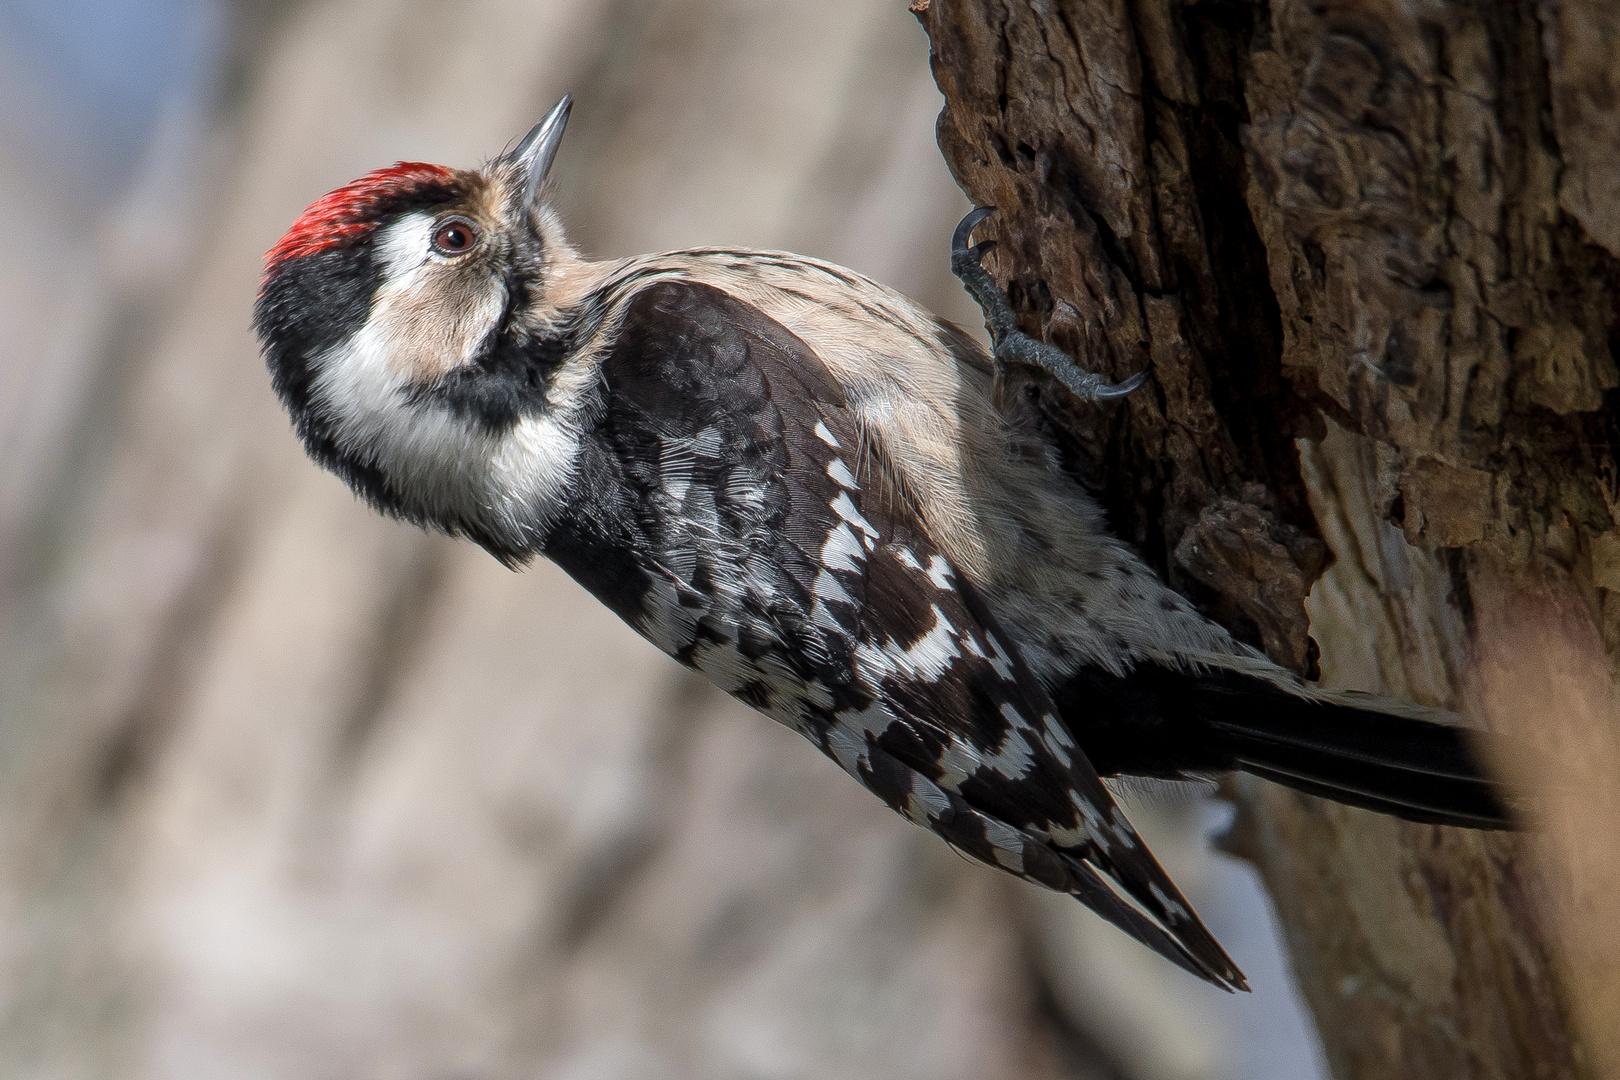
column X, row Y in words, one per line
column 411, row 321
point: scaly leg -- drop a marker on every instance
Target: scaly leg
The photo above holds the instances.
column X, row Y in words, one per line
column 1012, row 345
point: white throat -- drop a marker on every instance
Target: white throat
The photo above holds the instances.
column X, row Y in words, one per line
column 447, row 469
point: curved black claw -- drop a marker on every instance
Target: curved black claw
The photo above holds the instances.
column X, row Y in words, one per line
column 998, row 316
column 965, row 227
column 1011, row 344
column 1119, row 390
column 1018, row 347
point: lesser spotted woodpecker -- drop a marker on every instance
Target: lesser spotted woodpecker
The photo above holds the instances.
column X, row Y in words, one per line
column 796, row 482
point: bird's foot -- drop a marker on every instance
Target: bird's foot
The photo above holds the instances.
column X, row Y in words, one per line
column 1012, row 345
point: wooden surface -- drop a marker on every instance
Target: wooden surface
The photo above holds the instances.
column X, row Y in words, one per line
column 1387, row 231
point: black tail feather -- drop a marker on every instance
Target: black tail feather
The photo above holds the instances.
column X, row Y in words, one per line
column 1158, row 721
column 1431, row 811
column 1412, row 768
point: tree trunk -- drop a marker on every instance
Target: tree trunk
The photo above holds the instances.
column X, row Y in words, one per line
column 1367, row 251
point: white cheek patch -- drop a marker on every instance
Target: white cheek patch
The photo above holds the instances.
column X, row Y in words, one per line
column 403, row 248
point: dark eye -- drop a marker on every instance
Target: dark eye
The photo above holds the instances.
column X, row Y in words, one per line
column 454, row 236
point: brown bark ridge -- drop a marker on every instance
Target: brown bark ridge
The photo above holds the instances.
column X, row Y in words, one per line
column 1367, row 251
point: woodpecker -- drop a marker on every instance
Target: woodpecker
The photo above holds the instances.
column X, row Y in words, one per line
column 796, row 482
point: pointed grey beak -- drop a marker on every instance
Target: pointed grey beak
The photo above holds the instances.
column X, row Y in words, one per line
column 539, row 147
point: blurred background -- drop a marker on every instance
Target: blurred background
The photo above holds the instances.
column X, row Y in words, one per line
column 288, row 790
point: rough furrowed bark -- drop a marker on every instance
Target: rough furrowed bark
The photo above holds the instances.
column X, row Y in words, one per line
column 1366, row 251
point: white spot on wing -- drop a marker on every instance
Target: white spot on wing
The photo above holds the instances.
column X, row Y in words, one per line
column 842, row 551
column 1007, row 844
column 848, row 748
column 1015, row 756
column 1057, row 732
column 841, row 474
column 707, row 443
column 821, row 615
column 845, row 508
column 993, row 654
column 929, row 657
column 1094, row 829
column 826, row 587
column 872, row 720
column 824, row 435
column 960, row 760
column 1172, row 907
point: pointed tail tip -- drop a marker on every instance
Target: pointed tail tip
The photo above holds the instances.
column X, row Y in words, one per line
column 1217, row 967
column 1184, row 940
column 1201, row 947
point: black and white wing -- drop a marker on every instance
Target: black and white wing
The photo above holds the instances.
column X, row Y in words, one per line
column 735, row 515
